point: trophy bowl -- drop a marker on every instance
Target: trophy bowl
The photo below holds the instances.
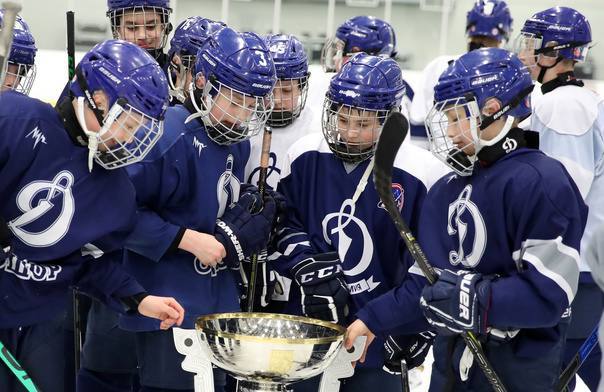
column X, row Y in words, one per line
column 264, row 349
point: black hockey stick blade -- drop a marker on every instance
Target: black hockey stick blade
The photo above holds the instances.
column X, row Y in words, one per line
column 393, row 133
column 392, row 136
column 573, row 367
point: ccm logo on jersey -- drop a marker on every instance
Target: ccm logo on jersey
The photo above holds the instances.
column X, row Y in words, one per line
column 399, row 197
column 320, row 273
column 464, row 296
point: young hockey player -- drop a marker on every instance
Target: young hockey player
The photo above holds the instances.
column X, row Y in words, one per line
column 145, row 23
column 188, row 38
column 570, row 121
column 336, row 243
column 196, row 220
column 290, row 121
column 488, row 24
column 504, row 231
column 20, row 70
column 63, row 211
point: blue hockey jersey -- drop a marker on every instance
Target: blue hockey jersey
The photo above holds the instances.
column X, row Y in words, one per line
column 319, row 190
column 522, row 219
column 61, row 216
column 186, row 181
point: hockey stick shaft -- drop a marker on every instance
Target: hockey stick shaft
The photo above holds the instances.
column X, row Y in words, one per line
column 573, row 367
column 17, row 370
column 405, row 377
column 392, row 136
column 70, row 44
column 77, row 317
column 264, row 160
column 11, row 9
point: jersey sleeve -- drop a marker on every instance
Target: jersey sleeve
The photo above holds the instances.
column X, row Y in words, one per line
column 156, row 182
column 572, row 132
column 292, row 242
column 106, row 280
column 547, row 228
column 398, row 309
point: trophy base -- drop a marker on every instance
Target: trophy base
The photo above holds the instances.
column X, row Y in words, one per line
column 259, row 386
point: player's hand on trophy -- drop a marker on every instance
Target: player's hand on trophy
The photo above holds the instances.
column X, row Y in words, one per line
column 354, row 330
column 412, row 348
column 208, row 250
column 323, row 288
column 166, row 309
column 245, row 227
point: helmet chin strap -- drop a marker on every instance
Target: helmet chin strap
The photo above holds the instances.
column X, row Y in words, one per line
column 198, row 94
column 544, row 68
column 93, row 137
column 509, row 122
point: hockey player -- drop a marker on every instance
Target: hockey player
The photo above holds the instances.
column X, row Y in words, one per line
column 145, row 23
column 196, row 220
column 504, row 231
column 188, row 38
column 570, row 121
column 21, row 70
column 488, row 24
column 63, row 211
column 366, row 34
column 290, row 121
column 335, row 246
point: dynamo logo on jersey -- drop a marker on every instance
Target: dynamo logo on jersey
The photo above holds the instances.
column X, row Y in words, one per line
column 399, row 197
column 466, row 222
column 48, row 207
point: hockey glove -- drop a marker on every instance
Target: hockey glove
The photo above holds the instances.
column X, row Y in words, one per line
column 281, row 209
column 412, row 348
column 265, row 281
column 324, row 291
column 245, row 227
column 457, row 302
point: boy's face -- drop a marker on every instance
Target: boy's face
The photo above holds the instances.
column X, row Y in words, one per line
column 232, row 108
column 287, row 95
column 12, row 78
column 358, row 128
column 458, row 130
column 142, row 27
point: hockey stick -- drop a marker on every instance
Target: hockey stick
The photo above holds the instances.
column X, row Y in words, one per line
column 264, row 159
column 11, row 10
column 573, row 367
column 405, row 377
column 75, row 296
column 392, row 136
column 17, row 370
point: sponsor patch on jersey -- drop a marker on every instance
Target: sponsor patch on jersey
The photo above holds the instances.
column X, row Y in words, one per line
column 399, row 197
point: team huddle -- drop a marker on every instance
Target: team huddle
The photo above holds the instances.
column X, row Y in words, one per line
column 140, row 189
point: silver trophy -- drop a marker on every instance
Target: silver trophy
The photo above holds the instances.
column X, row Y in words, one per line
column 266, row 352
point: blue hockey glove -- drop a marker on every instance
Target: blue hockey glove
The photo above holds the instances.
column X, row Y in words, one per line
column 412, row 348
column 324, row 291
column 457, row 302
column 265, row 281
column 281, row 209
column 245, row 227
